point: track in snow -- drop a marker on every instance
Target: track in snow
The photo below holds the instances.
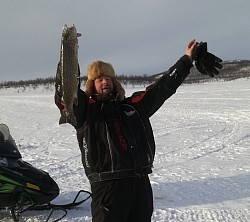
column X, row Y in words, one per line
column 201, row 171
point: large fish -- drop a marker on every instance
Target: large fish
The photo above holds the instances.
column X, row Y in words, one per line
column 69, row 73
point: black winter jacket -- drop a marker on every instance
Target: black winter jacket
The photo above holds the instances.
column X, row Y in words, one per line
column 116, row 138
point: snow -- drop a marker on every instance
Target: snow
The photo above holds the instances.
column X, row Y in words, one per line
column 201, row 170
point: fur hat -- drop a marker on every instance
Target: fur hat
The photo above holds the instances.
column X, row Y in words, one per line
column 99, row 69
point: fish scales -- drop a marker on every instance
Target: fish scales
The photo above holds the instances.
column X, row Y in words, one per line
column 69, row 73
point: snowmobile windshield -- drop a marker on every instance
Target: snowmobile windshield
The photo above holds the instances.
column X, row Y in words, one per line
column 8, row 146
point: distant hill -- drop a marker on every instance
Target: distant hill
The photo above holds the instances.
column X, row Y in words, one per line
column 231, row 70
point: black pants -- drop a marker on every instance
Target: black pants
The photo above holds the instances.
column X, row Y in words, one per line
column 123, row 200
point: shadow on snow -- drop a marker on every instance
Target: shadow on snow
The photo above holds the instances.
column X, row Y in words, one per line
column 203, row 191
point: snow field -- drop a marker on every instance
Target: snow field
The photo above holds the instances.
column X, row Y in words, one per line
column 201, row 171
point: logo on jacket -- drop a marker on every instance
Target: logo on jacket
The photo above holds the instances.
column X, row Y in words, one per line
column 120, row 136
column 130, row 113
column 86, row 153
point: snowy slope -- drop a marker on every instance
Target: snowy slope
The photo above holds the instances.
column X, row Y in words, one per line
column 201, row 170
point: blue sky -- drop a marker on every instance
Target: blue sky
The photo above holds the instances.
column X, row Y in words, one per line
column 136, row 36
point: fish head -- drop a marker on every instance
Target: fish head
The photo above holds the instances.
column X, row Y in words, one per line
column 69, row 33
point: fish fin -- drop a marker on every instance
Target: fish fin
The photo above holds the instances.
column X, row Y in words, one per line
column 75, row 102
column 68, row 118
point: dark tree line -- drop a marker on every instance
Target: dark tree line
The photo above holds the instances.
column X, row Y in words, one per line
column 231, row 70
column 28, row 83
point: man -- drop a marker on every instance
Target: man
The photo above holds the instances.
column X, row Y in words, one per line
column 116, row 139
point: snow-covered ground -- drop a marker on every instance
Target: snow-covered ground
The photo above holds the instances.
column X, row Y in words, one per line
column 202, row 164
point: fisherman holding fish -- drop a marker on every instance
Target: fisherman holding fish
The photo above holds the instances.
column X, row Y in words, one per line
column 116, row 138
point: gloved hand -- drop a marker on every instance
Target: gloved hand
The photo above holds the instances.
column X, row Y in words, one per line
column 206, row 62
column 58, row 100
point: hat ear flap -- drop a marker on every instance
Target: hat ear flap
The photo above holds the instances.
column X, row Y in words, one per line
column 89, row 90
column 118, row 89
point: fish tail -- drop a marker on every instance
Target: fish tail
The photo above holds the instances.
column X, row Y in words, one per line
column 68, row 118
column 63, row 119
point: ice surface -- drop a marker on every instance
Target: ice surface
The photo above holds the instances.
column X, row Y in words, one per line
column 201, row 170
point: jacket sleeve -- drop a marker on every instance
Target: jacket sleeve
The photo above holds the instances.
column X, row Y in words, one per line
column 155, row 95
column 58, row 94
column 81, row 109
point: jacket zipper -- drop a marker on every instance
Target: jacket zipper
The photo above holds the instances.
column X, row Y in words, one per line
column 109, row 145
column 110, row 150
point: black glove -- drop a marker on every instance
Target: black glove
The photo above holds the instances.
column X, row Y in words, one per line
column 206, row 62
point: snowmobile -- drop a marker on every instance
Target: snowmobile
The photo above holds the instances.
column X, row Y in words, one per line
column 23, row 187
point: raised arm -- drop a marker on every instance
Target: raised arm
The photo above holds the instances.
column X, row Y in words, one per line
column 155, row 95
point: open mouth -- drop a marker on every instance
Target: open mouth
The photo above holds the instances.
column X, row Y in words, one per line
column 106, row 89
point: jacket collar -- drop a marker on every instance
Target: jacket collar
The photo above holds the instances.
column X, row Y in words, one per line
column 103, row 97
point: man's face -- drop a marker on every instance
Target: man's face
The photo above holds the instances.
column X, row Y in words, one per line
column 104, row 85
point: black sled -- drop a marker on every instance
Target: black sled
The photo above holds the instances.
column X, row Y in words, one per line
column 24, row 187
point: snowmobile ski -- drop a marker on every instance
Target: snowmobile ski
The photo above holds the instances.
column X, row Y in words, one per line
column 16, row 213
